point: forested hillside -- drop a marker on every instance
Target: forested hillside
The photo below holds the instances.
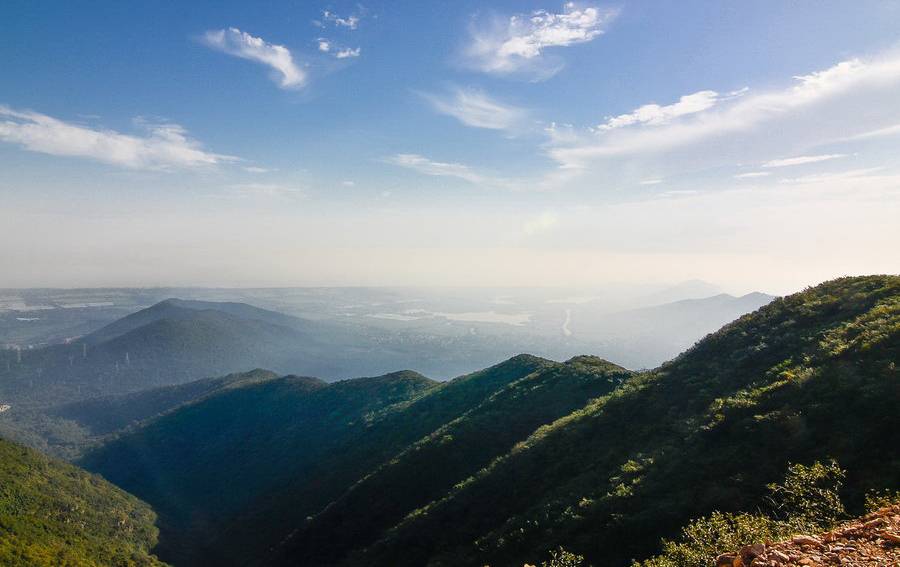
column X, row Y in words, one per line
column 256, row 436
column 67, row 430
column 308, row 442
column 431, row 466
column 808, row 377
column 53, row 514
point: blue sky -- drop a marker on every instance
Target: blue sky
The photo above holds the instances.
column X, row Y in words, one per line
column 470, row 143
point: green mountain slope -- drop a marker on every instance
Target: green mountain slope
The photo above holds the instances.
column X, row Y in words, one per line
column 102, row 416
column 292, row 447
column 379, row 439
column 255, row 436
column 52, row 513
column 431, row 466
column 807, row 377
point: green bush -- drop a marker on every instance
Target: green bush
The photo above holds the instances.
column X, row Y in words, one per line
column 807, row 501
column 878, row 499
column 562, row 558
column 703, row 539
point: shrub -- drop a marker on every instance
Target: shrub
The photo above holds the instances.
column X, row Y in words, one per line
column 562, row 558
column 808, row 500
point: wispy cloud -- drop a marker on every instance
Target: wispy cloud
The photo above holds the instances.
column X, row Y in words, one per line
column 350, row 22
column 799, row 110
column 655, row 115
column 651, row 181
column 265, row 190
column 512, row 44
column 856, row 174
column 893, row 130
column 234, row 42
column 163, row 146
column 549, row 181
column 675, row 193
column 347, row 52
column 327, row 46
column 427, row 166
column 801, row 160
column 475, row 108
column 752, row 175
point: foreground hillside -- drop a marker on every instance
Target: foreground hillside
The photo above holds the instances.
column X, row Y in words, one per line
column 807, row 377
column 52, row 514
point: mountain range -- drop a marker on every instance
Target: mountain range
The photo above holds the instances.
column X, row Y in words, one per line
column 496, row 467
column 502, row 465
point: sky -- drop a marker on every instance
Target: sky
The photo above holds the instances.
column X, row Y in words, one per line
column 750, row 144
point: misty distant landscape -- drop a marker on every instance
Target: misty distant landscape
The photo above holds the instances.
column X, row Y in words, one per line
column 332, row 333
column 483, row 283
column 638, row 325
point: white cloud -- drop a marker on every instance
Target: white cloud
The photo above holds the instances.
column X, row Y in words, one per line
column 516, row 43
column 877, row 133
column 327, row 46
column 265, row 190
column 542, row 223
column 651, row 181
column 678, row 193
column 475, row 108
column 348, row 183
column 278, row 57
column 801, row 160
column 752, row 174
column 347, row 52
column 421, row 164
column 654, row 114
column 350, row 22
column 165, row 146
column 426, row 166
column 814, row 109
column 819, row 178
column 256, row 169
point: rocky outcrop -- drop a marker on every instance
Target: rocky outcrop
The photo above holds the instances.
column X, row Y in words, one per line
column 873, row 540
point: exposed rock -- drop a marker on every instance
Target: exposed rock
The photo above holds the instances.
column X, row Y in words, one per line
column 870, row 541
